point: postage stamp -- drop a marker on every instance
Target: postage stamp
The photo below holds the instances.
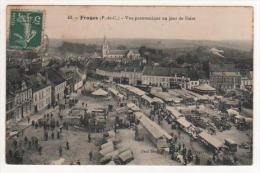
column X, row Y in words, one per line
column 26, row 29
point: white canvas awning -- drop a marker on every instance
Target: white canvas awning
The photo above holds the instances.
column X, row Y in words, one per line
column 124, row 156
column 158, row 100
column 232, row 112
column 182, row 121
column 106, row 150
column 147, row 98
column 213, row 141
column 174, row 112
column 100, row 92
column 205, row 87
column 133, row 107
column 108, row 144
column 152, row 127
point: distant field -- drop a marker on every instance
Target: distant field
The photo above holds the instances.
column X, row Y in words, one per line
column 162, row 43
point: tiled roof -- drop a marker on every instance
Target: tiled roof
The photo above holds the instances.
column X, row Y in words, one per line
column 54, row 76
column 222, row 68
column 117, row 52
column 38, row 83
column 14, row 75
column 14, row 79
column 163, row 71
column 134, row 67
column 226, row 74
column 205, row 87
column 135, row 51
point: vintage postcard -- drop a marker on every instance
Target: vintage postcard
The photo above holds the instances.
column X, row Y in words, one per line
column 129, row 85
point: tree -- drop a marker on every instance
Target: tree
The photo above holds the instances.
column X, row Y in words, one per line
column 121, row 47
column 205, row 67
column 180, row 60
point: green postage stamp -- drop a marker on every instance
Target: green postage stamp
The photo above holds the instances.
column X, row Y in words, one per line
column 26, row 29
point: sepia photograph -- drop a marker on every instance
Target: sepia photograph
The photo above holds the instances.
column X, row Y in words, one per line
column 129, row 85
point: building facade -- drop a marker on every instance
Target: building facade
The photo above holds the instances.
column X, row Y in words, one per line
column 58, row 85
column 225, row 80
column 75, row 78
column 58, row 92
column 122, row 77
column 165, row 77
column 193, row 84
column 78, row 82
column 41, row 98
column 224, row 76
column 10, row 109
column 247, row 81
column 22, row 106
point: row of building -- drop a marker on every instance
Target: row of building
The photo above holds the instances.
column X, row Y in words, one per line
column 30, row 93
column 227, row 76
column 221, row 77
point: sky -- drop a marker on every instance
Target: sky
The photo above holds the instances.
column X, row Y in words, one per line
column 211, row 23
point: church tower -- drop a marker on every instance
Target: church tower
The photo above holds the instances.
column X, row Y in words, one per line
column 105, row 49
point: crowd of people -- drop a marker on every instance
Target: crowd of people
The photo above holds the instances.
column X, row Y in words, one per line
column 52, row 129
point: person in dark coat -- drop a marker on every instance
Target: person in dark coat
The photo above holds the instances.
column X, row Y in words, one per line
column 57, row 123
column 78, row 162
column 29, row 144
column 36, row 142
column 40, row 150
column 52, row 135
column 60, row 151
column 67, row 145
column 89, row 138
column 46, row 136
column 36, row 125
column 58, row 135
column 25, row 140
column 90, row 155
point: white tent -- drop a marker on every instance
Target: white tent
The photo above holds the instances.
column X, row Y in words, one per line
column 100, row 92
column 106, row 150
column 111, row 163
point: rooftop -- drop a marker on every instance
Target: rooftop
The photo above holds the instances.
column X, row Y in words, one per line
column 117, row 52
column 222, row 68
column 211, row 140
column 163, row 71
column 100, row 92
column 122, row 52
column 133, row 66
column 15, row 80
column 38, row 83
column 54, row 76
column 226, row 74
column 182, row 121
column 205, row 87
column 154, row 129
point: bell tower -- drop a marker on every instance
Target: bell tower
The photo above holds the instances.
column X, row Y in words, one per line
column 105, row 49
